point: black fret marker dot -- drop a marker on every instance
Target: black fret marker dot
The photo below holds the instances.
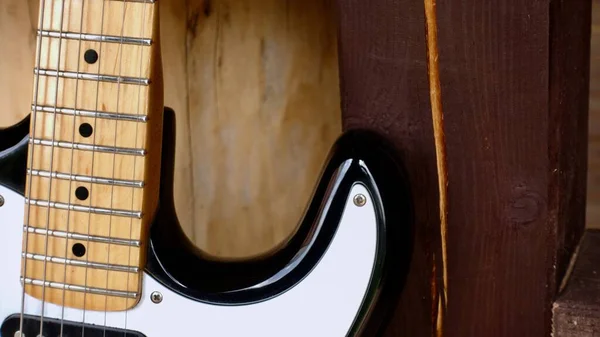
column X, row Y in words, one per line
column 82, row 193
column 85, row 130
column 91, row 56
column 78, row 250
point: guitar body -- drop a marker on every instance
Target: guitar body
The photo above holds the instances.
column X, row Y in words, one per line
column 339, row 274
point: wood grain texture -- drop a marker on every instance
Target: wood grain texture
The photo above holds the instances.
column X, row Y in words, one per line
column 50, row 258
column 510, row 88
column 174, row 52
column 514, row 89
column 264, row 111
column 496, row 112
column 576, row 312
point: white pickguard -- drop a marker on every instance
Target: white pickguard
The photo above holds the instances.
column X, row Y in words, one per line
column 324, row 304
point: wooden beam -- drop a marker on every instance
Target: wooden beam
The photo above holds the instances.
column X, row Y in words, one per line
column 515, row 91
column 495, row 81
column 514, row 87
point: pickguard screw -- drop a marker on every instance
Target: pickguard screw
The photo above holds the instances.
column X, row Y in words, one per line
column 360, row 200
column 156, row 297
column 2, row 204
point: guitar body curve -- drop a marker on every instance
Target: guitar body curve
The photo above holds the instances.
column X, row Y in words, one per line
column 339, row 274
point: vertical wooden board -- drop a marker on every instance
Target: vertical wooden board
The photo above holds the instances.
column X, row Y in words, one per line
column 495, row 103
column 174, row 52
column 515, row 124
column 514, row 129
column 495, row 99
column 264, row 111
column 384, row 87
column 17, row 39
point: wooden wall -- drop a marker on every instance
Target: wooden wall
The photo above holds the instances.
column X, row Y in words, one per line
column 255, row 89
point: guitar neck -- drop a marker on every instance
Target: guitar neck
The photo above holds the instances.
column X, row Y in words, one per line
column 94, row 154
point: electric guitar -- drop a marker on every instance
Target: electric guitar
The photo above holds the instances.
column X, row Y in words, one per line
column 90, row 244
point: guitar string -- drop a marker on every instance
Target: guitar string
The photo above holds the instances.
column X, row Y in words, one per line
column 31, row 157
column 45, row 262
column 112, row 189
column 64, row 292
column 92, row 164
column 141, row 48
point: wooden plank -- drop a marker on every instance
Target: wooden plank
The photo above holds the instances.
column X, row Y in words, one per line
column 576, row 312
column 495, row 98
column 510, row 89
column 264, row 112
column 514, row 91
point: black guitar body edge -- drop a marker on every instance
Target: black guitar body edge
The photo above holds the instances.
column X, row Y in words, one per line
column 175, row 262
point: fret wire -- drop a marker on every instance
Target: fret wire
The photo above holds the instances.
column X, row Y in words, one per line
column 96, row 38
column 85, row 179
column 89, row 147
column 92, row 77
column 77, row 288
column 80, row 208
column 90, row 113
column 82, row 237
column 80, row 263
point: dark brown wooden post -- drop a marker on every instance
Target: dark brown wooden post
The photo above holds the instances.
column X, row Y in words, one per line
column 514, row 92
